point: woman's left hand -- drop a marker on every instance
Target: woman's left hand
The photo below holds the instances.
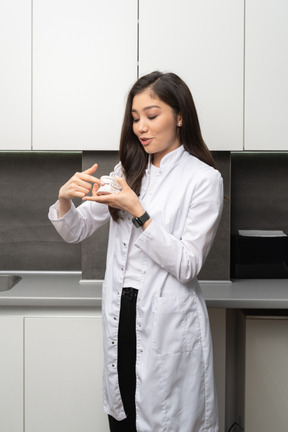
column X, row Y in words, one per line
column 125, row 200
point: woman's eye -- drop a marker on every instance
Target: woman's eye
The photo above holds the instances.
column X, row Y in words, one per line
column 152, row 117
column 135, row 120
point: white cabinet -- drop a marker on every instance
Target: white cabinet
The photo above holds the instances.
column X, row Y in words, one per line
column 51, row 368
column 63, row 375
column 202, row 41
column 84, row 62
column 67, row 67
column 15, row 74
column 266, row 382
column 266, row 71
column 11, row 374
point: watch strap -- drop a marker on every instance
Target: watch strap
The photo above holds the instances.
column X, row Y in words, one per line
column 139, row 221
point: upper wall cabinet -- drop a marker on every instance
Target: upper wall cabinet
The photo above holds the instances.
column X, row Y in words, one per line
column 202, row 42
column 15, row 74
column 84, row 62
column 266, row 72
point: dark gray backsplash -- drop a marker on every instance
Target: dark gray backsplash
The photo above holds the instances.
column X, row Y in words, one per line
column 29, row 184
column 28, row 241
column 259, row 191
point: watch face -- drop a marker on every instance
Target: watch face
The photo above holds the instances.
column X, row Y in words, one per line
column 136, row 222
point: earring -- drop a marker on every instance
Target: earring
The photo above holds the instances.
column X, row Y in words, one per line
column 179, row 123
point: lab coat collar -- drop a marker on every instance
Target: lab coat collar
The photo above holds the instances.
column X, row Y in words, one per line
column 169, row 159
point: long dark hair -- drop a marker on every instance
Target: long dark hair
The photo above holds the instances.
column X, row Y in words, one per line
column 172, row 90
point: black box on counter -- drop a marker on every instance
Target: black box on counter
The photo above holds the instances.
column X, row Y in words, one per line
column 259, row 255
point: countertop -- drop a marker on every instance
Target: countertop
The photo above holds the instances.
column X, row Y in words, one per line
column 68, row 289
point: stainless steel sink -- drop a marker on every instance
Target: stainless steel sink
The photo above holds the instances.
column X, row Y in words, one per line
column 8, row 281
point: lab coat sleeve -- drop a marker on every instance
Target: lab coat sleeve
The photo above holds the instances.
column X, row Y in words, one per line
column 183, row 257
column 79, row 223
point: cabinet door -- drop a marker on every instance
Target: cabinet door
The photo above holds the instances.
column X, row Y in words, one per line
column 63, row 375
column 11, row 374
column 15, row 75
column 202, row 42
column 266, row 382
column 84, row 62
column 266, row 71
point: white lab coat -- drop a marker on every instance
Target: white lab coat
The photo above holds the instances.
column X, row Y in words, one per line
column 174, row 367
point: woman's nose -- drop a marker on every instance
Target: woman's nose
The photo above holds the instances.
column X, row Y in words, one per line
column 142, row 126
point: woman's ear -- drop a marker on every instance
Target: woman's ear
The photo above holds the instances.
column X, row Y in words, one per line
column 179, row 120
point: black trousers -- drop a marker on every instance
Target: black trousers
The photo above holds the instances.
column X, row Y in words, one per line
column 126, row 361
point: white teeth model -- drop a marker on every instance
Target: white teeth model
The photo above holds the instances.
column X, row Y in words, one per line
column 111, row 186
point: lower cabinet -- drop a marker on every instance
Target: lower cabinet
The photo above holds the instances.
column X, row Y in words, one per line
column 51, row 373
column 63, row 375
column 11, row 374
column 266, row 374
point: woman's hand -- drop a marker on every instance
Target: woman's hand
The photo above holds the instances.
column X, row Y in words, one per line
column 125, row 200
column 78, row 186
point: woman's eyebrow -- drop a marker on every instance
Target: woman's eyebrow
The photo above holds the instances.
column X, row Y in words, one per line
column 147, row 108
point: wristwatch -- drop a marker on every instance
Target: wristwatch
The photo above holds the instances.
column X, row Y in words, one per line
column 139, row 221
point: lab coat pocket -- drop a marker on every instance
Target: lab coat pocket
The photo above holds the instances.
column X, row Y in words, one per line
column 176, row 324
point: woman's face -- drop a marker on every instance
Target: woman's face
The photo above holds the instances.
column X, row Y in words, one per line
column 155, row 125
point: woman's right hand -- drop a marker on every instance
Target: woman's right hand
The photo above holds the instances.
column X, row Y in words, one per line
column 79, row 185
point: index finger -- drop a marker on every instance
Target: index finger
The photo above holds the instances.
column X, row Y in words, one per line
column 91, row 170
column 86, row 175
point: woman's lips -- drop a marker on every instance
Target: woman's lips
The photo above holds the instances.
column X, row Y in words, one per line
column 145, row 141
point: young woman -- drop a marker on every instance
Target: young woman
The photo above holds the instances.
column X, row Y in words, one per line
column 158, row 373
